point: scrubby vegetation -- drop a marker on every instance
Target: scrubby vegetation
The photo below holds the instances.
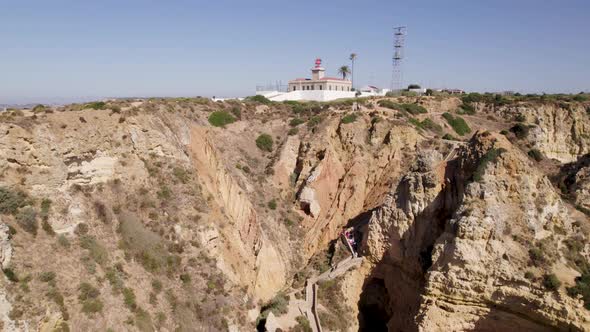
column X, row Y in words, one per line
column 582, row 288
column 97, row 105
column 89, row 298
column 259, row 99
column 11, row 200
column 221, row 118
column 550, row 282
column 458, row 124
column 466, row 108
column 490, row 157
column 302, row 324
column 488, row 98
column 27, row 219
column 349, row 118
column 331, row 297
column 296, row 122
column 520, row 130
column 413, row 109
column 426, row 124
column 279, row 305
column 264, row 142
column 535, row 154
column 147, row 247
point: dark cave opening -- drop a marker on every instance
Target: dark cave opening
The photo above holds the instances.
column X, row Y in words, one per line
column 373, row 304
column 305, row 207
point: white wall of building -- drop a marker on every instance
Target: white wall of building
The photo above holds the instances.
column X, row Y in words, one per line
column 317, row 95
column 312, row 95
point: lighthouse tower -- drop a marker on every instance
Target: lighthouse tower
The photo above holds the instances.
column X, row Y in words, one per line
column 317, row 72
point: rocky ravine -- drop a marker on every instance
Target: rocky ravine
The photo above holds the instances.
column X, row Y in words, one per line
column 141, row 215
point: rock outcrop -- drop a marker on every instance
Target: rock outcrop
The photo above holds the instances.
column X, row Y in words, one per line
column 462, row 242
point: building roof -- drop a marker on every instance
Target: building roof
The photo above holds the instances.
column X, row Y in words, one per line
column 321, row 79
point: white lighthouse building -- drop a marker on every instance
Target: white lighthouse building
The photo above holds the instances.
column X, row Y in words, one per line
column 319, row 81
column 319, row 88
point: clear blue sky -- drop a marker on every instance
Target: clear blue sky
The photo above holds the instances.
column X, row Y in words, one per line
column 71, row 49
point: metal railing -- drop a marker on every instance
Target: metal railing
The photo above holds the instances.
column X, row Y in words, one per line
column 273, row 87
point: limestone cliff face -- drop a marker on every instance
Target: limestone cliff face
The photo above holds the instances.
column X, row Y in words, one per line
column 342, row 176
column 559, row 131
column 463, row 244
column 253, row 248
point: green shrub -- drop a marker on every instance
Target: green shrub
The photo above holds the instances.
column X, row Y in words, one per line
column 293, row 131
column 449, row 137
column 520, row 117
column 143, row 321
column 314, row 121
column 520, row 130
column 504, row 132
column 302, row 324
column 96, row 250
column 27, row 219
column 164, row 193
column 272, row 204
column 264, row 142
column 157, row 286
column 115, row 279
column 146, row 246
column 81, row 229
column 236, row 112
column 12, row 200
column 535, row 154
column 45, row 206
column 404, row 108
column 350, row 118
column 97, row 105
column 279, row 305
column 181, row 174
column 92, row 306
column 220, row 118
column 63, row 241
column 259, row 99
column 47, row 227
column 47, row 276
column 537, row 257
column 472, row 98
column 457, row 123
column 185, row 278
column 529, row 275
column 296, row 122
column 490, row 157
column 426, row 124
column 582, row 288
column 38, row 108
column 10, row 274
column 466, row 108
column 550, row 282
column 87, row 291
column 129, row 298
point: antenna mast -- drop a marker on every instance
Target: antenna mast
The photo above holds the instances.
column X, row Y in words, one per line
column 399, row 39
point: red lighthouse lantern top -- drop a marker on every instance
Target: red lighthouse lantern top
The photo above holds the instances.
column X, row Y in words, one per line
column 318, row 63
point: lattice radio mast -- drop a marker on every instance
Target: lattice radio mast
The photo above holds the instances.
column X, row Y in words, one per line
column 399, row 39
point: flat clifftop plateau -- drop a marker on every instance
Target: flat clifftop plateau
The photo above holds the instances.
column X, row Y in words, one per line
column 462, row 213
